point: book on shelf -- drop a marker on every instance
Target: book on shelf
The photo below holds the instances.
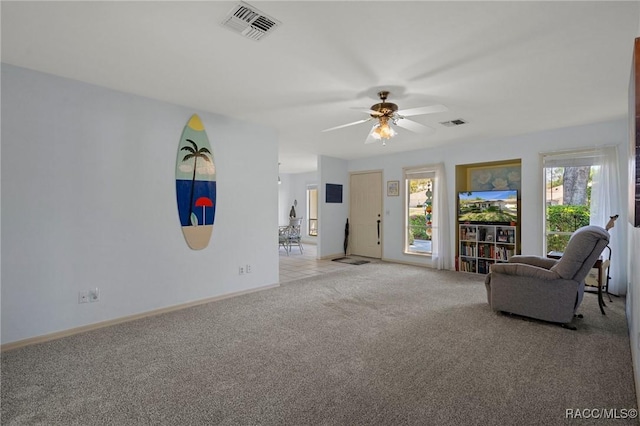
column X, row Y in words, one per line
column 484, row 244
column 467, row 265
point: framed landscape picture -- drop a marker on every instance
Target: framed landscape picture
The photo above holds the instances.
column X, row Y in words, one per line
column 494, row 178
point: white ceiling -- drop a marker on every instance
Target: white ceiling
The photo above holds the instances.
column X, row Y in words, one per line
column 505, row 67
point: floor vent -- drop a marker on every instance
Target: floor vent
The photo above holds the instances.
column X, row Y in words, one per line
column 453, row 123
column 249, row 22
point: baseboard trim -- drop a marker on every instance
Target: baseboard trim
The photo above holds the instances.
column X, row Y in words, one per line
column 332, row 256
column 423, row 265
column 406, row 262
column 95, row 326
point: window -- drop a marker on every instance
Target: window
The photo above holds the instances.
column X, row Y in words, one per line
column 426, row 219
column 420, row 215
column 567, row 203
column 573, row 183
column 565, row 207
column 312, row 210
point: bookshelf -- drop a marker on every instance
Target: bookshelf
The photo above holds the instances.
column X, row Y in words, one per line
column 481, row 245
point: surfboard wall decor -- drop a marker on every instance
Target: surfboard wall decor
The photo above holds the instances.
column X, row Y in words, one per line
column 196, row 184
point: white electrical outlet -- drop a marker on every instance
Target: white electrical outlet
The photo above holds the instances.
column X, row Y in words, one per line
column 94, row 295
column 83, row 297
column 248, row 268
column 240, row 270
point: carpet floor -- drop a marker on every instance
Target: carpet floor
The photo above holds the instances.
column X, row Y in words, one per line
column 377, row 344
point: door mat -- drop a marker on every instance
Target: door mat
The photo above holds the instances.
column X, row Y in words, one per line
column 350, row 261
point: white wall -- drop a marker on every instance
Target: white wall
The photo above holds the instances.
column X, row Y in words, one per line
column 633, row 292
column 526, row 147
column 284, row 195
column 633, row 303
column 332, row 216
column 88, row 200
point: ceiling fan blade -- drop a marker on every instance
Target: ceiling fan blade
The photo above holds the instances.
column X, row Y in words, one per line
column 431, row 109
column 368, row 111
column 370, row 138
column 348, row 124
column 413, row 126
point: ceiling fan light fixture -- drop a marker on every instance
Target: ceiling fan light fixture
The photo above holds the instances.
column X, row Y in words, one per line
column 384, row 114
column 383, row 130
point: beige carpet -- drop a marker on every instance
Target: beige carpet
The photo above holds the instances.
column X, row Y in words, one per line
column 377, row 344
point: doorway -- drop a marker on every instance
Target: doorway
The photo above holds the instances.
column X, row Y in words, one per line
column 365, row 236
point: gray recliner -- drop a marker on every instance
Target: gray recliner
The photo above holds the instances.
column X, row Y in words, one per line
column 543, row 288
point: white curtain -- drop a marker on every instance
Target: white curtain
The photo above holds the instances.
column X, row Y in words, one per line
column 606, row 202
column 442, row 247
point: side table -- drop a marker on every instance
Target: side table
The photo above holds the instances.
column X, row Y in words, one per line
column 602, row 265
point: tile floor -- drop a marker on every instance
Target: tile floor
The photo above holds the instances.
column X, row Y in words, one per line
column 297, row 265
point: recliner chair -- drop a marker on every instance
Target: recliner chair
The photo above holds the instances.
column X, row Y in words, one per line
column 546, row 289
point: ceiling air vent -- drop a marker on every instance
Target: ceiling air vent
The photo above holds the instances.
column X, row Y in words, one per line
column 248, row 21
column 453, row 123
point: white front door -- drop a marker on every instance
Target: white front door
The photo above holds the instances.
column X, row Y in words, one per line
column 365, row 236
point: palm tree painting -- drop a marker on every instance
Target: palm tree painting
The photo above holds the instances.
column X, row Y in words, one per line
column 195, row 153
column 195, row 184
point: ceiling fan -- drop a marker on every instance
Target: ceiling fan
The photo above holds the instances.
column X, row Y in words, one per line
column 387, row 114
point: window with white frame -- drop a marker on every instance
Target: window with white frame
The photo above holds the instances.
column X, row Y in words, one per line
column 420, row 217
column 576, row 193
column 312, row 210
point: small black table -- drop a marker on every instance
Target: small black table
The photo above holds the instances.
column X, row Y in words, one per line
column 602, row 265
